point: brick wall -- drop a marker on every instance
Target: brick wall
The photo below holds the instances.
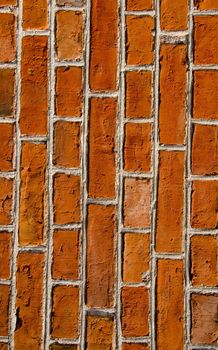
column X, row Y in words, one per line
column 108, row 174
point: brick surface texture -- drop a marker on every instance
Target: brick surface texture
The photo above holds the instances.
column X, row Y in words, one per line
column 108, row 174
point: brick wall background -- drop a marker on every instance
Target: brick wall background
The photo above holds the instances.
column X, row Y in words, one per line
column 108, row 174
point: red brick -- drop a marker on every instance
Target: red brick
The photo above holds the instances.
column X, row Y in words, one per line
column 139, row 5
column 32, row 194
column 66, row 254
column 66, row 199
column 205, row 100
column 7, row 91
column 67, row 144
column 170, row 305
column 204, row 319
column 29, row 299
column 134, row 346
column 34, row 85
column 100, row 262
column 135, row 311
column 8, row 3
column 104, row 42
column 4, row 302
column 35, row 14
column 5, row 254
column 7, row 147
column 174, row 15
column 100, row 333
column 63, row 347
column 206, row 4
column 139, row 47
column 170, row 202
column 7, row 37
column 138, row 94
column 6, row 192
column 204, row 204
column 69, row 91
column 173, row 71
column 65, row 312
column 4, row 346
column 69, row 35
column 76, row 3
column 136, row 257
column 102, row 172
column 137, row 203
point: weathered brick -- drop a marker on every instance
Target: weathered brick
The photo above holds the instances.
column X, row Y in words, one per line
column 65, row 312
column 66, row 199
column 104, row 41
column 7, row 91
column 102, row 172
column 7, row 147
column 67, row 144
column 172, row 108
column 8, row 3
column 134, row 346
column 100, row 262
column 170, row 305
column 66, row 252
column 34, row 85
column 6, row 191
column 35, row 14
column 5, row 254
column 204, row 319
column 205, row 100
column 100, row 332
column 4, row 303
column 204, row 262
column 4, row 346
column 139, row 47
column 29, row 299
column 138, row 94
column 32, row 194
column 7, row 37
column 69, row 35
column 77, row 3
column 63, row 347
column 137, row 147
column 139, row 5
column 69, row 91
column 137, row 203
column 204, row 204
column 174, row 15
column 135, row 311
column 206, row 4
column 170, row 202
column 136, row 257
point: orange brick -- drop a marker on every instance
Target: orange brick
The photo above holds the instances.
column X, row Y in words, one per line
column 134, row 346
column 102, row 172
column 69, row 91
column 136, row 257
column 100, row 333
column 204, row 263
column 172, row 108
column 174, row 15
column 69, row 35
column 4, row 303
column 138, row 94
column 206, row 4
column 65, row 312
column 34, row 85
column 5, row 254
column 204, row 204
column 137, row 203
column 205, row 100
column 32, row 194
column 6, row 193
column 7, row 91
column 67, row 144
column 66, row 199
column 76, row 3
column 7, row 37
column 4, row 346
column 170, row 305
column 7, row 147
column 8, row 3
column 29, row 299
column 35, row 14
column 100, row 262
column 104, row 41
column 139, row 5
column 205, row 150
column 135, row 311
column 170, row 202
column 66, row 254
column 63, row 347
column 139, row 47
column 204, row 319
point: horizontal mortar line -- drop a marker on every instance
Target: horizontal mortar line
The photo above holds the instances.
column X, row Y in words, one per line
column 34, row 138
column 136, row 340
column 203, row 347
column 98, row 311
column 174, row 33
column 203, row 178
column 196, row 67
column 8, row 9
column 137, row 175
column 66, row 283
column 72, row 119
column 204, row 122
column 33, row 249
column 202, row 232
column 5, row 120
column 35, row 32
column 5, row 282
column 172, row 148
column 205, row 13
column 63, row 227
column 140, row 13
column 101, row 201
column 67, row 171
column 8, row 65
column 172, row 256
column 65, row 341
column 96, row 94
column 166, row 39
column 139, row 120
column 8, row 174
column 137, row 230
column 146, row 67
column 202, row 290
column 68, row 8
column 9, row 228
column 69, row 63
column 134, row 285
column 4, row 339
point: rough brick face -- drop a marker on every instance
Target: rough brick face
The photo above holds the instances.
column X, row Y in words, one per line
column 8, row 3
column 99, row 333
column 7, row 147
column 35, row 14
column 7, row 37
column 4, row 302
column 173, row 14
column 6, row 193
column 206, row 4
column 139, row 5
column 130, row 346
column 7, row 84
column 5, row 253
